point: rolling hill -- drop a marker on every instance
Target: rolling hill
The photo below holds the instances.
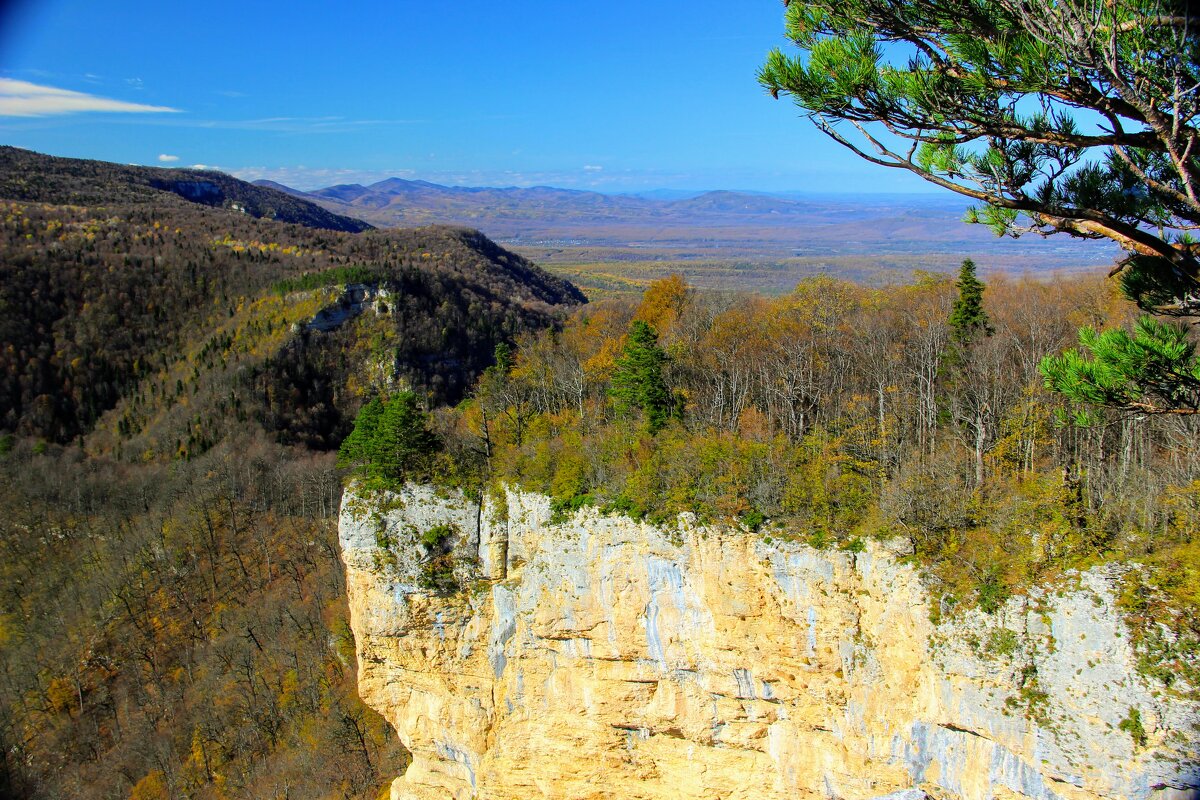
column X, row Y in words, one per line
column 36, row 178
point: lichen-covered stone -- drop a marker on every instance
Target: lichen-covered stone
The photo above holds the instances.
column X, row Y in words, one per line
column 606, row 658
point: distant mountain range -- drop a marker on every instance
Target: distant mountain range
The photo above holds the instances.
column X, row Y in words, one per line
column 709, row 222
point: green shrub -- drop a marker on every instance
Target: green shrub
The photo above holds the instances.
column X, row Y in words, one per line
column 437, row 572
column 436, row 537
column 1132, row 724
column 855, row 545
column 562, row 508
column 622, row 504
column 993, row 591
column 1002, row 642
column 754, row 519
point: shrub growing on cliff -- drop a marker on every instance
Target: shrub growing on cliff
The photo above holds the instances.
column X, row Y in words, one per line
column 1132, row 724
column 437, row 572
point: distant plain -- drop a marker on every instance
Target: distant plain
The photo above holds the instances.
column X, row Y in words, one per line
column 618, row 243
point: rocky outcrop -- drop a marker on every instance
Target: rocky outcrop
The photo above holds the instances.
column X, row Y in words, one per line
column 605, row 658
column 354, row 299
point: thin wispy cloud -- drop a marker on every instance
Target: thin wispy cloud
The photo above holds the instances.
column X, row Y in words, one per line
column 592, row 168
column 25, row 99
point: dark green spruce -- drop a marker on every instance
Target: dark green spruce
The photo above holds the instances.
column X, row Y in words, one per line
column 639, row 382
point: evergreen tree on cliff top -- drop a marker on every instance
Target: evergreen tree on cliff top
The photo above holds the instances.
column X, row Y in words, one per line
column 391, row 441
column 1076, row 117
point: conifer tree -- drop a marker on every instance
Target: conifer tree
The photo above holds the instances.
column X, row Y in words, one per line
column 391, row 440
column 503, row 356
column 405, row 441
column 968, row 320
column 638, row 382
column 969, row 398
column 356, row 449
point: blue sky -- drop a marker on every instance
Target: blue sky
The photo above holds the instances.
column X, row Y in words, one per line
column 618, row 96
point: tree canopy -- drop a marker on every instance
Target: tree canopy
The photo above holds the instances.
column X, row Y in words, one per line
column 1077, row 116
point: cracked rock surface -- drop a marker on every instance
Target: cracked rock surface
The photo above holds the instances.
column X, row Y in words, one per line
column 607, row 658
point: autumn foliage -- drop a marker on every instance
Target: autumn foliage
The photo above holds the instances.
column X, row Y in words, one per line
column 915, row 414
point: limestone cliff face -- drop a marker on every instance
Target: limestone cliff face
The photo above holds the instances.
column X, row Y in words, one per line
column 605, row 658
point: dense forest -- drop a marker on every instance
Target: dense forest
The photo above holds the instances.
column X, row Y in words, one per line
column 179, row 630
column 914, row 414
column 104, row 305
column 173, row 375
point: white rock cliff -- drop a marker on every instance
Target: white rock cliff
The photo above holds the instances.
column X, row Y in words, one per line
column 606, row 658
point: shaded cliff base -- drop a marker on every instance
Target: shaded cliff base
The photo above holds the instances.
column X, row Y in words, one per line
column 603, row 657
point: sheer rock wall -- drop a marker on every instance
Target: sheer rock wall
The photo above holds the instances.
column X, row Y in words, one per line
column 606, row 658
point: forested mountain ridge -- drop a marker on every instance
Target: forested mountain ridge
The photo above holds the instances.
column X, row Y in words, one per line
column 34, row 177
column 97, row 299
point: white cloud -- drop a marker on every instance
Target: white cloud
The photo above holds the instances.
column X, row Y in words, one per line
column 24, row 99
column 592, row 168
column 168, row 159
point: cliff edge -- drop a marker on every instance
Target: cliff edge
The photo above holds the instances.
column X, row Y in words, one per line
column 599, row 657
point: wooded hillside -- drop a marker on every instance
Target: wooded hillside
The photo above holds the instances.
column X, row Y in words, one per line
column 172, row 373
column 37, row 178
column 101, row 305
